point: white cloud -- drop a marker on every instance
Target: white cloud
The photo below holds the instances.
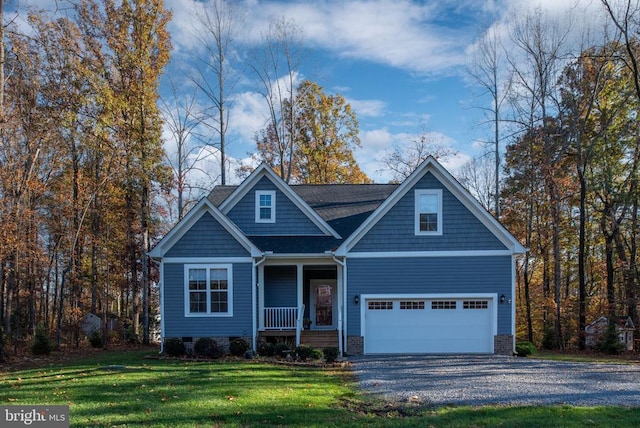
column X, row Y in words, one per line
column 367, row 108
column 248, row 115
column 400, row 33
column 377, row 143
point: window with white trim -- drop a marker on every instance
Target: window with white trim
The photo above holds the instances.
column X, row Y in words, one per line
column 428, row 212
column 265, row 206
column 208, row 290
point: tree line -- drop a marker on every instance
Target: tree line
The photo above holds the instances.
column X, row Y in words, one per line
column 86, row 185
column 567, row 112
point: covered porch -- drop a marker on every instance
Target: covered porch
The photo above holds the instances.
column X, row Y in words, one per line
column 302, row 301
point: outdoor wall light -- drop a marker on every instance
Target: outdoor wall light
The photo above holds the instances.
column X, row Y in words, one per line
column 502, row 298
column 356, row 299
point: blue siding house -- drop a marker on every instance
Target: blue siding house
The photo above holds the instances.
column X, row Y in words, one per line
column 418, row 267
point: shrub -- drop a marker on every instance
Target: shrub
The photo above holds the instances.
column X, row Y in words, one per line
column 316, row 354
column 610, row 344
column 174, row 347
column 207, row 347
column 96, row 339
column 238, row 347
column 281, row 349
column 524, row 349
column 330, row 354
column 266, row 349
column 41, row 343
column 304, row 352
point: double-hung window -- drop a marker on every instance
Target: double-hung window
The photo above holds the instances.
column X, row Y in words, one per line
column 208, row 290
column 428, row 206
column 265, row 206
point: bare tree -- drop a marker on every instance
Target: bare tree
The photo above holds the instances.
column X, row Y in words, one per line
column 275, row 64
column 219, row 22
column 182, row 119
column 401, row 161
column 488, row 72
column 477, row 177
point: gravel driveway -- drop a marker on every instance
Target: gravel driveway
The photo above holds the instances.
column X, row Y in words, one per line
column 480, row 380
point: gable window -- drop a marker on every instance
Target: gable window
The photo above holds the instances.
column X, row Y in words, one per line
column 428, row 206
column 208, row 290
column 265, row 206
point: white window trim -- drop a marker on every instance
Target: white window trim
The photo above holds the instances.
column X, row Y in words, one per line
column 208, row 267
column 272, row 219
column 418, row 193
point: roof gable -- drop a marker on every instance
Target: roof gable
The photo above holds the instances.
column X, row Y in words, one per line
column 193, row 216
column 263, row 171
column 452, row 186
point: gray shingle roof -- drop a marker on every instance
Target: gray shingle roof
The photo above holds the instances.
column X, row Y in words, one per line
column 343, row 206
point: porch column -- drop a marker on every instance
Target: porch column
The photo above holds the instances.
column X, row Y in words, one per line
column 299, row 285
column 342, row 306
column 261, row 297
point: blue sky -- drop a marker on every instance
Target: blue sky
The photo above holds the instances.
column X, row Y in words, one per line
column 401, row 64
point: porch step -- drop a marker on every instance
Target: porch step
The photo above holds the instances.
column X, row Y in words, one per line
column 319, row 338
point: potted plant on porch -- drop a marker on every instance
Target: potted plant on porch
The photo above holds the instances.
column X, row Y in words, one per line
column 306, row 323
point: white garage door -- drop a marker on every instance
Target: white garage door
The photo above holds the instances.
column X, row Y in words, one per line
column 431, row 326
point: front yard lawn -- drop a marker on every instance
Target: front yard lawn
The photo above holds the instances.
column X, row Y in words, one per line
column 122, row 389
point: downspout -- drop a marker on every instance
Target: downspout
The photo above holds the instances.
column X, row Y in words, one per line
column 254, row 311
column 343, row 312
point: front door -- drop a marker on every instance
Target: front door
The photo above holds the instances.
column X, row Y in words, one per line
column 323, row 303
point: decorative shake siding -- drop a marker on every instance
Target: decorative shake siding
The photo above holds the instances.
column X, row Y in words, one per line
column 177, row 325
column 427, row 275
column 290, row 221
column 207, row 238
column 462, row 231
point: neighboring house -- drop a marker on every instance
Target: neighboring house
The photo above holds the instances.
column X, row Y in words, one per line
column 596, row 331
column 92, row 322
column 418, row 267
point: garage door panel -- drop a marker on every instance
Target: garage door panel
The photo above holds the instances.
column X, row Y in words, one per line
column 446, row 326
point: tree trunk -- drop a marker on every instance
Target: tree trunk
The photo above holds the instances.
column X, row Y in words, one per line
column 582, row 282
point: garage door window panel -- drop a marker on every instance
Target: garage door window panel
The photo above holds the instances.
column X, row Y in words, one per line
column 411, row 305
column 475, row 304
column 376, row 305
column 444, row 304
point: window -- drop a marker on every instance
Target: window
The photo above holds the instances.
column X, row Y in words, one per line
column 443, row 304
column 475, row 304
column 411, row 304
column 265, row 206
column 208, row 290
column 377, row 305
column 428, row 212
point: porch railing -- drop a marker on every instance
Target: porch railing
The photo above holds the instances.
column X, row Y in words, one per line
column 280, row 318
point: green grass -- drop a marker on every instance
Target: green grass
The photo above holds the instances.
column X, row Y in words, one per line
column 121, row 389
